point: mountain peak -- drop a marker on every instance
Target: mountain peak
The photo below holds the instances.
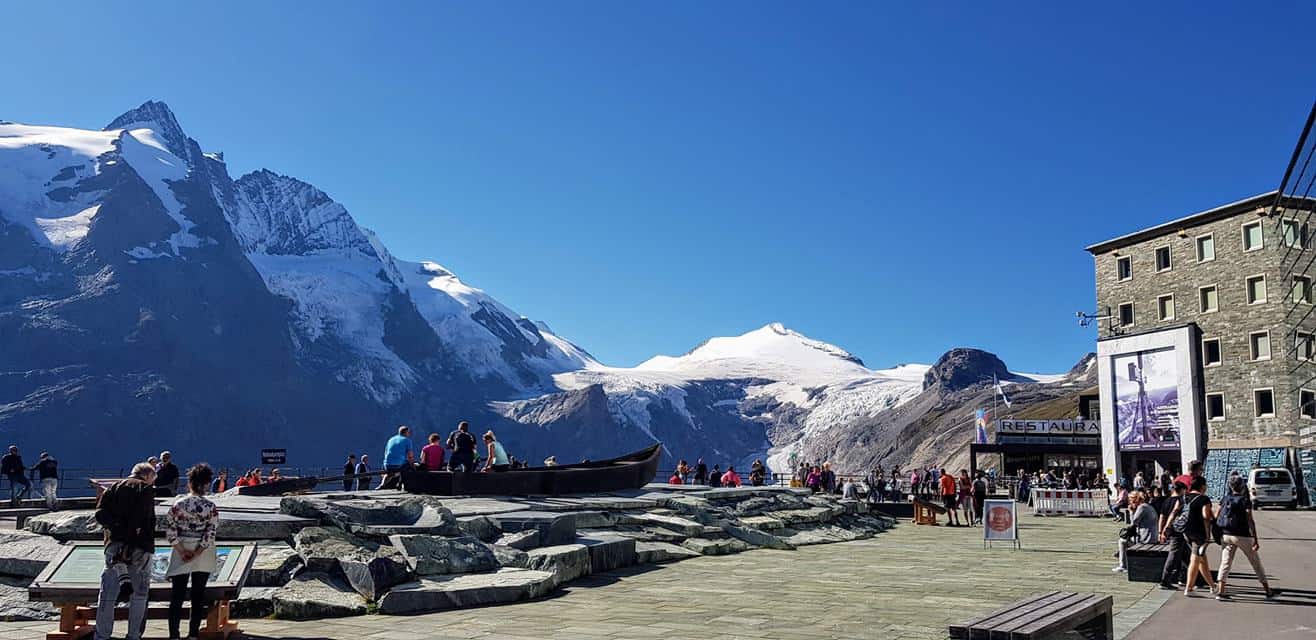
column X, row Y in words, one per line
column 963, row 367
column 773, row 345
column 156, row 116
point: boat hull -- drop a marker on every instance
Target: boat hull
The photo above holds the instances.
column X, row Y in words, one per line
column 279, row 487
column 631, row 471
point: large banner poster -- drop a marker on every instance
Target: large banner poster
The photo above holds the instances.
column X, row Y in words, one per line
column 1147, row 400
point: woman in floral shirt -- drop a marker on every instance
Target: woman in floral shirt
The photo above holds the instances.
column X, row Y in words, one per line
column 190, row 528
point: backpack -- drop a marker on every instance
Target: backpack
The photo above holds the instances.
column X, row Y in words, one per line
column 1180, row 523
column 1233, row 517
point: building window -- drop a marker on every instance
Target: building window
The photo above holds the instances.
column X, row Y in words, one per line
column 1165, row 307
column 1124, row 268
column 1252, row 236
column 1260, row 345
column 1215, row 406
column 1304, row 345
column 1209, row 299
column 1307, row 403
column 1294, row 233
column 1302, row 289
column 1263, row 401
column 1256, row 289
column 1205, row 248
column 1211, row 355
column 1126, row 314
column 1162, row 259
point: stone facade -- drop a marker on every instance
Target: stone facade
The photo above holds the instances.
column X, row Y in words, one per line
column 1238, row 375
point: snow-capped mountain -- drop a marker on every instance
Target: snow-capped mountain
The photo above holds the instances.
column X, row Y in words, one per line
column 138, row 280
column 795, row 386
column 148, row 300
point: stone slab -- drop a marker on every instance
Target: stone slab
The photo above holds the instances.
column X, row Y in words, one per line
column 253, row 602
column 661, row 552
column 554, row 527
column 523, row 540
column 763, row 523
column 480, row 527
column 313, row 596
column 509, row 557
column 704, row 546
column 467, row 590
column 274, row 565
column 683, row 526
column 756, row 537
column 24, row 554
column 370, row 568
column 434, row 555
column 608, row 551
column 567, row 562
column 15, row 607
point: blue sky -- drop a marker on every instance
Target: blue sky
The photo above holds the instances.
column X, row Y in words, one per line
column 895, row 178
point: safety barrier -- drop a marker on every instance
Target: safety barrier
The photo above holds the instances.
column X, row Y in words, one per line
column 1070, row 502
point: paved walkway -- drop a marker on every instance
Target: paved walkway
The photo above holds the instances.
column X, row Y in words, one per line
column 908, row 583
column 1288, row 540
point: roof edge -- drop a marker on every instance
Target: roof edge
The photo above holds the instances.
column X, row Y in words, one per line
column 1214, row 213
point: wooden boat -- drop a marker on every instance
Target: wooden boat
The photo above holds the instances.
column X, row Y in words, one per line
column 630, row 471
column 282, row 486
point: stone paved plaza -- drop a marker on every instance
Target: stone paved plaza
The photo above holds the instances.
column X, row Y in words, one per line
column 909, row 582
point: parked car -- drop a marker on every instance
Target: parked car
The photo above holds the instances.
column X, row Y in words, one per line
column 1272, row 486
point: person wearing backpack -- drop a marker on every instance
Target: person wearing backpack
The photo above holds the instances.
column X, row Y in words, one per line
column 1197, row 530
column 127, row 513
column 1177, row 559
column 1239, row 531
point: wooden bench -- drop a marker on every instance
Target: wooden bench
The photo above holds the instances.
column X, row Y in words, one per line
column 926, row 512
column 1043, row 616
column 1145, row 561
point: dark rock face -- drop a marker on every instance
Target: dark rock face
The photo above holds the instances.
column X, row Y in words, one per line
column 433, row 555
column 962, row 367
column 370, row 568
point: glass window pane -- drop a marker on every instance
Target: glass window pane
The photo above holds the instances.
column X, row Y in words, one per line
column 1206, row 248
column 1252, row 236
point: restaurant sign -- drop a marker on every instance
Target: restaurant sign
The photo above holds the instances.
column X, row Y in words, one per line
column 1071, row 432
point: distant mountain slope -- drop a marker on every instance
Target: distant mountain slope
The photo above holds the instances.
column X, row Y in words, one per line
column 149, row 301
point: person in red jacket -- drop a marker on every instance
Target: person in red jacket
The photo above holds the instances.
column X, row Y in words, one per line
column 675, row 479
column 731, row 478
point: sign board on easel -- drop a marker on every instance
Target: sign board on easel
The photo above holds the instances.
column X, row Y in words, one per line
column 1000, row 522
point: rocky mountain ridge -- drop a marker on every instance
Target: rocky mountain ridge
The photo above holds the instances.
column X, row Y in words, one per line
column 146, row 296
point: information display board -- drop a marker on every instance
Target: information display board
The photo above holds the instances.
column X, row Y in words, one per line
column 75, row 575
column 85, row 563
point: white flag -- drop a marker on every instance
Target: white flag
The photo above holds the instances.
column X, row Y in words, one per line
column 1001, row 390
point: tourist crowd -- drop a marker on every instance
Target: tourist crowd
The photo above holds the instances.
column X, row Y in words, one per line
column 700, row 474
column 1177, row 511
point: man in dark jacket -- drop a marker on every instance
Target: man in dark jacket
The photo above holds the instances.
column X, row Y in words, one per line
column 462, row 445
column 349, row 472
column 127, row 513
column 47, row 469
column 11, row 465
column 166, row 479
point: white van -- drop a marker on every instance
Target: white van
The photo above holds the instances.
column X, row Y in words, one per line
column 1272, row 486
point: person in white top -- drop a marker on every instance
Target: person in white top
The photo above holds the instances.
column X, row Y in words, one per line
column 190, row 528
